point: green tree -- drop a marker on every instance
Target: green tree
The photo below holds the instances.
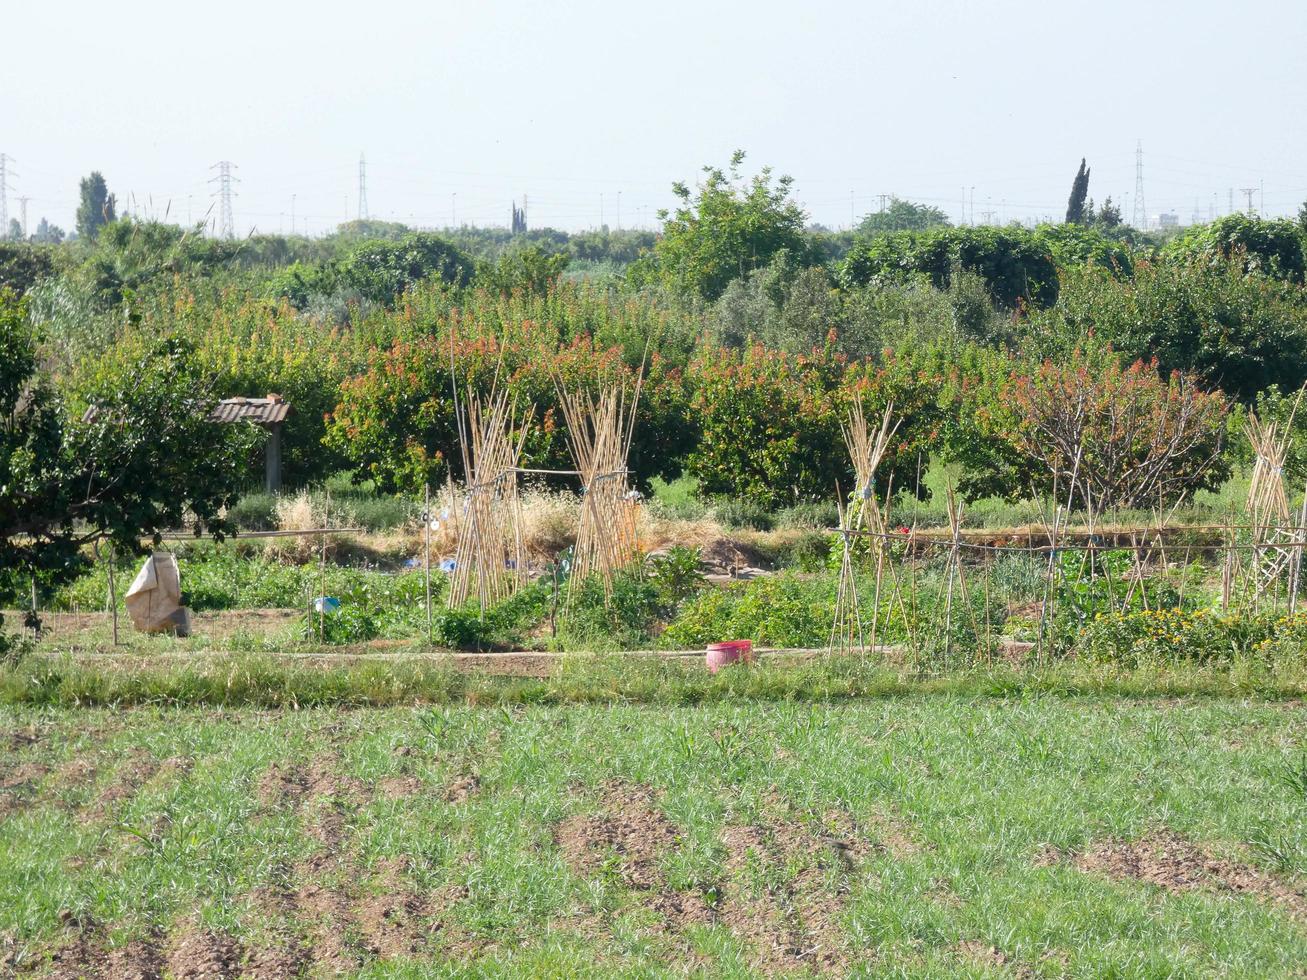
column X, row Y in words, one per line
column 22, row 266
column 530, row 268
column 1016, row 264
column 1273, row 246
column 728, row 228
column 1108, row 216
column 97, row 207
column 15, row 230
column 145, row 457
column 1237, row 330
column 903, row 215
column 48, row 234
column 1075, row 205
column 376, row 270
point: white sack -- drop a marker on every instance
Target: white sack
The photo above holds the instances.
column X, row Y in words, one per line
column 154, row 600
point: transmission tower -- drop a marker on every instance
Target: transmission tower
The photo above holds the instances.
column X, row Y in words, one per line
column 224, row 180
column 1141, row 213
column 1248, row 192
column 22, row 210
column 363, row 188
column 5, row 173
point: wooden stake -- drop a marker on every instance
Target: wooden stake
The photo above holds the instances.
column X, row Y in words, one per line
column 113, row 598
column 426, row 564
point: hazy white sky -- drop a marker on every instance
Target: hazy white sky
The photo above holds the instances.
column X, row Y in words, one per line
column 568, row 101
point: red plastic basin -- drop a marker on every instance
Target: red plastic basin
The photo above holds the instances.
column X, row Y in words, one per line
column 728, row 652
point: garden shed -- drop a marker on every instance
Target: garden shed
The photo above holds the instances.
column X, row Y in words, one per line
column 269, row 413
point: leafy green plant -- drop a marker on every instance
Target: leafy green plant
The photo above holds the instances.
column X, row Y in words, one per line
column 1167, row 636
column 676, row 576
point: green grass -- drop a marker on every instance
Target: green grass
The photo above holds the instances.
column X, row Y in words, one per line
column 148, row 824
column 416, row 677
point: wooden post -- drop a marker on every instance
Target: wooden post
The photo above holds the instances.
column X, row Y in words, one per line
column 113, row 598
column 1295, row 580
column 322, row 585
column 426, row 565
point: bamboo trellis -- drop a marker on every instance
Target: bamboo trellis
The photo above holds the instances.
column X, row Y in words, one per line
column 490, row 558
column 599, row 432
column 1277, row 544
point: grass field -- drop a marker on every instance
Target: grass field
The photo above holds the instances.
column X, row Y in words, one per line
column 914, row 835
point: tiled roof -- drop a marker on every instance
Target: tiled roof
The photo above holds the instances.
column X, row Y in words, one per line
column 264, row 411
column 260, row 411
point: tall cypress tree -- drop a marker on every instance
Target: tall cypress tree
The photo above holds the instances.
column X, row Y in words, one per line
column 1075, row 205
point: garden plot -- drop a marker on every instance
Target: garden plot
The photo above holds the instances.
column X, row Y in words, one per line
column 934, row 835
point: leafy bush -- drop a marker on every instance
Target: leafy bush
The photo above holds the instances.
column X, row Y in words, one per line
column 624, row 620
column 677, row 499
column 1163, row 637
column 22, row 265
column 1121, row 437
column 395, row 421
column 675, row 576
column 255, row 512
column 809, row 515
column 1271, row 246
column 737, row 512
column 376, row 270
column 1016, row 265
column 779, row 611
column 1237, row 330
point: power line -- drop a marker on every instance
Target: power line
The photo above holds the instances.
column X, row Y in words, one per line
column 226, row 220
column 4, row 193
column 1140, row 219
column 1248, row 192
column 363, row 188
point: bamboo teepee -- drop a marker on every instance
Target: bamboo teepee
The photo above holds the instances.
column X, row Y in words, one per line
column 490, row 559
column 599, row 431
column 1276, row 543
column 861, row 514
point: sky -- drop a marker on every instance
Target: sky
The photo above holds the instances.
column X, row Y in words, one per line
column 590, row 110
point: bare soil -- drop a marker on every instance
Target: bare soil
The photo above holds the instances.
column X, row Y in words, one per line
column 788, row 917
column 630, row 827
column 204, row 955
column 18, row 786
column 1172, row 862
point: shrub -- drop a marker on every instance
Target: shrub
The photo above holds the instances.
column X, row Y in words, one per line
column 1016, row 265
column 255, row 512
column 1122, row 437
column 738, row 512
column 1164, row 637
column 778, row 611
column 809, row 515
column 395, row 421
column 1273, row 246
column 622, row 620
column 1236, row 330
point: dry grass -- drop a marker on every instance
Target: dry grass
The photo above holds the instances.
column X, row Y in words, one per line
column 660, row 533
column 304, row 512
column 549, row 521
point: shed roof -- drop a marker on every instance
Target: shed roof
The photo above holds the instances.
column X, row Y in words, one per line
column 263, row 411
column 271, row 410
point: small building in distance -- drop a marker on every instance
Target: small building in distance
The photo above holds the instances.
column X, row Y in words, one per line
column 268, row 413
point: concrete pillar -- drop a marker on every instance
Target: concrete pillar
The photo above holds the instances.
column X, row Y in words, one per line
column 272, row 460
